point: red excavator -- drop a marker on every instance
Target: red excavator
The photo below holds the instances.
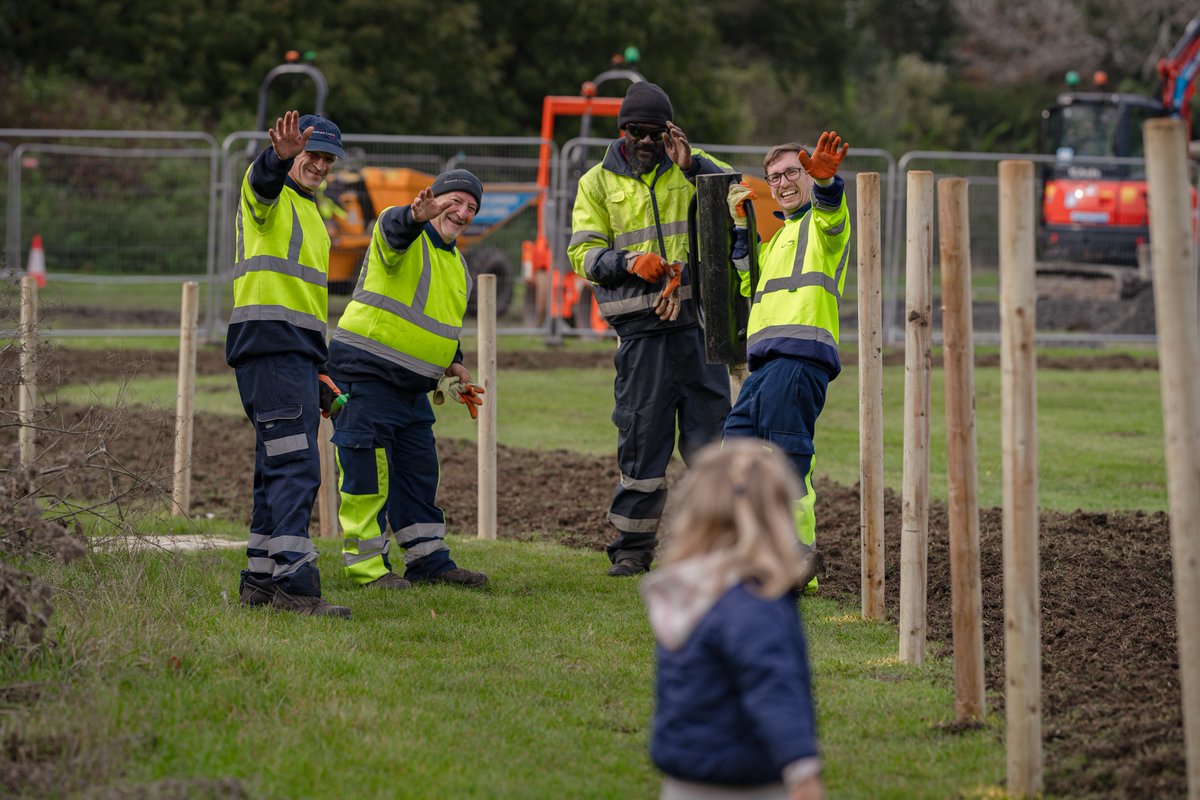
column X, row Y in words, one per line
column 1094, row 193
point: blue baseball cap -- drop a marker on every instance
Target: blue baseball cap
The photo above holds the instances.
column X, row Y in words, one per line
column 326, row 137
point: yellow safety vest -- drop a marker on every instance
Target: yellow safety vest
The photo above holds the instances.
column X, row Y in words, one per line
column 408, row 306
column 282, row 260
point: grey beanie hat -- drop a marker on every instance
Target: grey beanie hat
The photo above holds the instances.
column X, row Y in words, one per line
column 645, row 102
column 458, row 180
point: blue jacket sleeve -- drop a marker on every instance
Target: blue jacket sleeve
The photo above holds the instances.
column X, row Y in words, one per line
column 770, row 658
column 399, row 228
column 268, row 173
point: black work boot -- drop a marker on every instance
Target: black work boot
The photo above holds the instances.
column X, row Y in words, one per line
column 459, row 576
column 310, row 605
column 389, row 580
column 628, row 566
column 255, row 591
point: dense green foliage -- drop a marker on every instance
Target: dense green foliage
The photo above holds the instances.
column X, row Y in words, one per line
column 950, row 74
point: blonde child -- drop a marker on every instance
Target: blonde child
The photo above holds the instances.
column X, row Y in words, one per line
column 734, row 711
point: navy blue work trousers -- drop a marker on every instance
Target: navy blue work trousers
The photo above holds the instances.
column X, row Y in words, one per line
column 663, row 385
column 280, row 396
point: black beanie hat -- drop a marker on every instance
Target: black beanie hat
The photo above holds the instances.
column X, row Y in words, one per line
column 645, row 102
column 458, row 180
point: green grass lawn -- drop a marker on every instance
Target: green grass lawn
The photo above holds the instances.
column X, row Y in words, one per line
column 541, row 686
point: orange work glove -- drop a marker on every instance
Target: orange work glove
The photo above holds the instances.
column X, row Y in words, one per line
column 739, row 193
column 330, row 398
column 826, row 157
column 465, row 393
column 469, row 395
column 668, row 305
column 650, row 267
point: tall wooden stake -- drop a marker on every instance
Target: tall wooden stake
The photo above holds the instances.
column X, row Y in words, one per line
column 1018, row 446
column 328, row 525
column 962, row 469
column 486, row 320
column 27, row 396
column 914, row 534
column 181, row 496
column 870, row 394
column 1174, row 258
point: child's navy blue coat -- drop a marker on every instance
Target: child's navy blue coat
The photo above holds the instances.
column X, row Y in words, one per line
column 734, row 702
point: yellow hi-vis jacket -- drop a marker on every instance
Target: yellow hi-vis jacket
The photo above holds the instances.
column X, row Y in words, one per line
column 280, row 294
column 408, row 307
column 802, row 274
column 619, row 212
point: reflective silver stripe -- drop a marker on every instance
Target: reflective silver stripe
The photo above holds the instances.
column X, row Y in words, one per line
column 805, row 332
column 376, row 544
column 583, row 237
column 742, row 264
column 421, row 295
column 420, row 530
column 413, row 314
column 290, row 568
column 628, row 305
column 643, row 484
column 836, row 229
column 286, row 444
column 297, row 240
column 261, row 313
column 240, row 254
column 258, row 541
column 281, row 266
column 289, row 544
column 627, row 239
column 633, row 525
column 389, row 354
column 826, row 282
column 837, row 275
column 260, row 564
column 350, row 559
column 423, row 549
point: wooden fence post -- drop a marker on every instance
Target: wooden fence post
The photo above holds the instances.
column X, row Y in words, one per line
column 870, row 394
column 918, row 316
column 962, row 469
column 27, row 396
column 1174, row 258
column 1018, row 447
column 327, row 494
column 486, row 309
column 181, row 496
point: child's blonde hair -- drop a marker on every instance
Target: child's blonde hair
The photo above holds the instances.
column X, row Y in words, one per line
column 737, row 498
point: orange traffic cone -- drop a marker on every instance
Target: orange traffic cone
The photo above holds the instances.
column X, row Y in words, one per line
column 36, row 265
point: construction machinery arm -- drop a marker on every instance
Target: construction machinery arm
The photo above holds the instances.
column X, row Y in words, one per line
column 1178, row 71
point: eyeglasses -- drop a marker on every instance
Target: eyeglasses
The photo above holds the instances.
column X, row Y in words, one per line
column 636, row 132
column 791, row 173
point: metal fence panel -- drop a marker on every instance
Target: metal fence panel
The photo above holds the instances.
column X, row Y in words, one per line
column 112, row 209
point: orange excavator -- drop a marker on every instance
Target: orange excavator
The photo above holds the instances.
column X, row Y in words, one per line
column 1094, row 193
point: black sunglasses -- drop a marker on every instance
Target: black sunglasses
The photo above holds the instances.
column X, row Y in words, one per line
column 636, row 132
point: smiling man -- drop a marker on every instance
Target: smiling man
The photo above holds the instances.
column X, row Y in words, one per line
column 629, row 238
column 792, row 335
column 276, row 345
column 398, row 341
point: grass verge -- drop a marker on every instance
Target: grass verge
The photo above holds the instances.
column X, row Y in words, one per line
column 541, row 686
